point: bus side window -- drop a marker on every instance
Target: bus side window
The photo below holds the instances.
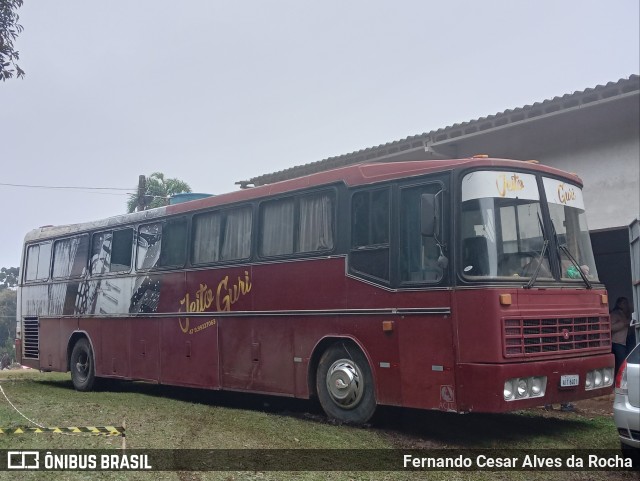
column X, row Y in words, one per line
column 418, row 254
column 297, row 225
column 148, row 245
column 121, row 250
column 316, row 223
column 205, row 239
column 236, row 240
column 111, row 251
column 38, row 259
column 370, row 233
column 100, row 249
column 360, row 219
column 277, row 227
column 162, row 244
column 70, row 256
column 173, row 251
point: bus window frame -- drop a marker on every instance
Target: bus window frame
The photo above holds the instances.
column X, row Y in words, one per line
column 222, row 211
column 163, row 221
column 26, row 261
column 445, row 230
column 296, row 196
column 53, row 260
column 390, row 188
column 134, row 233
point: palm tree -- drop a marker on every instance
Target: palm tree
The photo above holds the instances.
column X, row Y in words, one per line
column 157, row 193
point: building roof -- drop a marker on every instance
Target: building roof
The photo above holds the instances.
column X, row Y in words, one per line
column 426, row 142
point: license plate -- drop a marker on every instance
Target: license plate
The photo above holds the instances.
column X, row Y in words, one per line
column 569, row 380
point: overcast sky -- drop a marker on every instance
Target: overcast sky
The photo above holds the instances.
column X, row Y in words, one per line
column 214, row 92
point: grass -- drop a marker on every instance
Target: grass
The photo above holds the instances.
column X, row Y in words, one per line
column 160, row 417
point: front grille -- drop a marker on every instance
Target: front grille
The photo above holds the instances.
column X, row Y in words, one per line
column 635, row 434
column 548, row 337
column 31, row 338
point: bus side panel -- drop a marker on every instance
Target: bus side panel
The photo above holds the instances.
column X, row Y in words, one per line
column 419, row 350
column 189, row 344
column 114, row 343
column 145, row 349
column 235, row 353
column 309, row 285
column 382, row 350
column 93, row 327
column 189, row 358
column 257, row 354
column 50, row 338
column 427, row 362
column 268, row 352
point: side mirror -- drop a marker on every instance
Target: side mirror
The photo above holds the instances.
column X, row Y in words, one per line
column 428, row 215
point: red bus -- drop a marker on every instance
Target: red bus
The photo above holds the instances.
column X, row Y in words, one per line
column 460, row 285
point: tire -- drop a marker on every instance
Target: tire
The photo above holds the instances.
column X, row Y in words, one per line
column 345, row 384
column 82, row 366
column 629, row 452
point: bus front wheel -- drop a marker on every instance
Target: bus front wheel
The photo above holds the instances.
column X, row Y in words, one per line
column 345, row 384
column 83, row 373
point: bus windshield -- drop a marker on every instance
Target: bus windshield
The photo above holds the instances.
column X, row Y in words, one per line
column 502, row 238
column 502, row 228
column 566, row 208
column 502, row 234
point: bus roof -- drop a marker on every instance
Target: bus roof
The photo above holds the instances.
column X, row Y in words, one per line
column 352, row 175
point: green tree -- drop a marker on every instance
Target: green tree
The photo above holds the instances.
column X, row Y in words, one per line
column 8, row 304
column 8, row 277
column 9, row 30
column 157, row 192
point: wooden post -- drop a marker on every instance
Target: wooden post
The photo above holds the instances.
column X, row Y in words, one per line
column 142, row 188
column 124, row 434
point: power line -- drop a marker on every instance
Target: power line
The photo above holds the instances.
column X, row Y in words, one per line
column 71, row 187
column 109, row 193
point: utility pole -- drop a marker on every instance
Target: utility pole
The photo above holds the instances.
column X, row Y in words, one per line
column 142, row 189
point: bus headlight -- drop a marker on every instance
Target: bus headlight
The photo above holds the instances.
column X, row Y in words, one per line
column 598, row 378
column 521, row 391
column 524, row 387
column 537, row 387
column 588, row 383
column 508, row 390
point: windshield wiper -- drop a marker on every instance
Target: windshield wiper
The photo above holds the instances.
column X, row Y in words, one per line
column 535, row 273
column 566, row 250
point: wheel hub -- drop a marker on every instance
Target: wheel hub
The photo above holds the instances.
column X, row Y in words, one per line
column 345, row 383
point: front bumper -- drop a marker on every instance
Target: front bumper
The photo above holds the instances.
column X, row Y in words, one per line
column 627, row 419
column 480, row 386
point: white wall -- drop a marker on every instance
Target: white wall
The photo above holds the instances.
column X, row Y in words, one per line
column 610, row 170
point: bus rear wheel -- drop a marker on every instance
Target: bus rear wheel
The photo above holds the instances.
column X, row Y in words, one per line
column 83, row 372
column 345, row 384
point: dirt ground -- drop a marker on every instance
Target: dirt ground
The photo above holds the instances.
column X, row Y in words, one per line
column 599, row 406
